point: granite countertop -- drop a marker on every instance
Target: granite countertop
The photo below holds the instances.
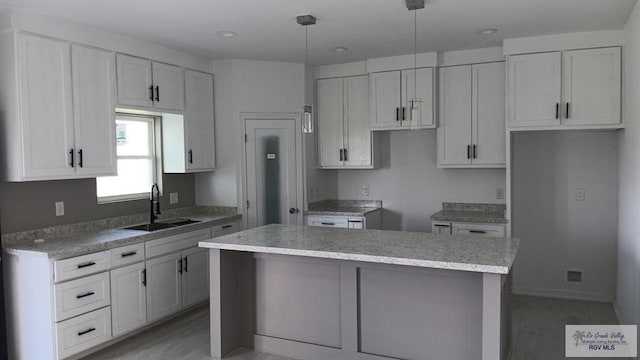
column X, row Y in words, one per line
column 74, row 243
column 473, row 213
column 344, row 207
column 465, row 253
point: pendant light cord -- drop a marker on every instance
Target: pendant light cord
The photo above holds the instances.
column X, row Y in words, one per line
column 415, row 54
column 306, row 45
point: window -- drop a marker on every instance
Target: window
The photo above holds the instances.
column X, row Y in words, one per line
column 136, row 156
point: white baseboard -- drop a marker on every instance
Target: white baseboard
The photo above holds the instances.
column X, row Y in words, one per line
column 562, row 294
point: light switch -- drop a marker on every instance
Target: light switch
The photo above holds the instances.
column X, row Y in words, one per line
column 580, row 194
column 59, row 208
column 499, row 193
column 365, row 190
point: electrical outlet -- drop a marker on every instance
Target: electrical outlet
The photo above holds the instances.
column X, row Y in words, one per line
column 173, row 198
column 580, row 194
column 59, row 208
column 499, row 193
column 365, row 190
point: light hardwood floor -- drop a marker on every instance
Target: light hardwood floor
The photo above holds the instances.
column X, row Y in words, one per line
column 538, row 333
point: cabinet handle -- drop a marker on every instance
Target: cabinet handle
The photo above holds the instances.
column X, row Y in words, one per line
column 341, row 155
column 477, row 231
column 397, row 114
column 86, row 331
column 85, row 295
column 328, row 223
column 128, row 254
column 475, row 151
column 72, row 163
column 186, row 264
column 567, row 112
column 190, row 156
column 91, row 263
column 144, row 277
column 468, row 151
column 157, row 93
column 440, row 225
column 557, row 110
column 180, row 266
column 403, row 110
column 151, row 91
column 346, row 157
column 80, row 158
column 227, row 226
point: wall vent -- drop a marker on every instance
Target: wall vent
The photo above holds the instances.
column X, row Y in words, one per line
column 574, row 276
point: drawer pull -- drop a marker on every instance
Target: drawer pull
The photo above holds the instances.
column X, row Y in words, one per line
column 129, row 254
column 91, row 263
column 477, row 231
column 227, row 226
column 144, row 277
column 80, row 333
column 440, row 225
column 85, row 295
column 328, row 223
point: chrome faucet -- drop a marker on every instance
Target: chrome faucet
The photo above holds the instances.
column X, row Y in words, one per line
column 155, row 199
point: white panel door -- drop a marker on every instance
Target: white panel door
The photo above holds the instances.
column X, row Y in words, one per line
column 356, row 123
column 128, row 298
column 534, row 89
column 386, row 106
column 195, row 276
column 330, row 112
column 488, row 114
column 199, row 121
column 164, row 286
column 168, row 82
column 425, row 90
column 454, row 128
column 592, row 86
column 134, row 81
column 94, row 102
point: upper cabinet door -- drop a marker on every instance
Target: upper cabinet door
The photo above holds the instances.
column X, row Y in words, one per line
column 592, row 86
column 488, row 114
column 454, row 128
column 534, row 89
column 134, row 81
column 199, row 121
column 94, row 102
column 168, row 87
column 386, row 106
column 425, row 91
column 330, row 122
column 356, row 122
column 46, row 107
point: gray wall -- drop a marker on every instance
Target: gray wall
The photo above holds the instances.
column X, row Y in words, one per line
column 31, row 205
column 410, row 184
column 557, row 232
column 628, row 287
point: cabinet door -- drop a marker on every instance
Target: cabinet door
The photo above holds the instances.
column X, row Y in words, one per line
column 94, row 102
column 168, row 83
column 44, row 70
column 128, row 298
column 534, row 89
column 488, row 118
column 386, row 106
column 356, row 123
column 199, row 123
column 482, row 230
column 134, row 81
column 424, row 88
column 592, row 86
column 164, row 287
column 195, row 276
column 454, row 129
column 330, row 122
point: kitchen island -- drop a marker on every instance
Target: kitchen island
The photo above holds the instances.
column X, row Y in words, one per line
column 319, row 293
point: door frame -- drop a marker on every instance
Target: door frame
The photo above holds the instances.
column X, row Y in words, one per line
column 242, row 160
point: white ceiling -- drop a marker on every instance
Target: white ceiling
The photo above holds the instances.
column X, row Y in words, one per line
column 369, row 28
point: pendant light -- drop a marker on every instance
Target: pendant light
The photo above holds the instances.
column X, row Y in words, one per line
column 415, row 103
column 307, row 109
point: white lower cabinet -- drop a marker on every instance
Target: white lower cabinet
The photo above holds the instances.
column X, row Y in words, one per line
column 195, row 276
column 164, row 278
column 128, row 298
column 83, row 332
column 485, row 230
column 372, row 220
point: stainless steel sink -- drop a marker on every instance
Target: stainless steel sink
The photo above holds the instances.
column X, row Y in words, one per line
column 163, row 225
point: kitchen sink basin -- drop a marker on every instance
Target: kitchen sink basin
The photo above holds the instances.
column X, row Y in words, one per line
column 163, row 225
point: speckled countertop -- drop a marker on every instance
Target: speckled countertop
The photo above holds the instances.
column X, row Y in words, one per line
column 471, row 212
column 84, row 238
column 486, row 255
column 344, row 207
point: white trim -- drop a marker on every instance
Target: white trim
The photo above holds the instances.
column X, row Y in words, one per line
column 402, row 62
column 122, row 198
column 469, row 57
column 341, row 70
column 559, row 42
column 562, row 294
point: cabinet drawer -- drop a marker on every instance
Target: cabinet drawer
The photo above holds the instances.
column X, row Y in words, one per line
column 82, row 295
column 177, row 242
column 127, row 255
column 442, row 228
column 81, row 266
column 477, row 229
column 328, row 221
column 224, row 229
column 83, row 332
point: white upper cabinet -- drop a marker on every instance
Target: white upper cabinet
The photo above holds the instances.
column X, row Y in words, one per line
column 570, row 89
column 344, row 138
column 94, row 102
column 471, row 132
column 390, row 95
column 148, row 84
column 592, row 86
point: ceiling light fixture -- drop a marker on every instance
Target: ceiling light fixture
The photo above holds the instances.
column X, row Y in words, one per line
column 307, row 109
column 415, row 102
column 488, row 31
column 339, row 49
column 227, row 34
